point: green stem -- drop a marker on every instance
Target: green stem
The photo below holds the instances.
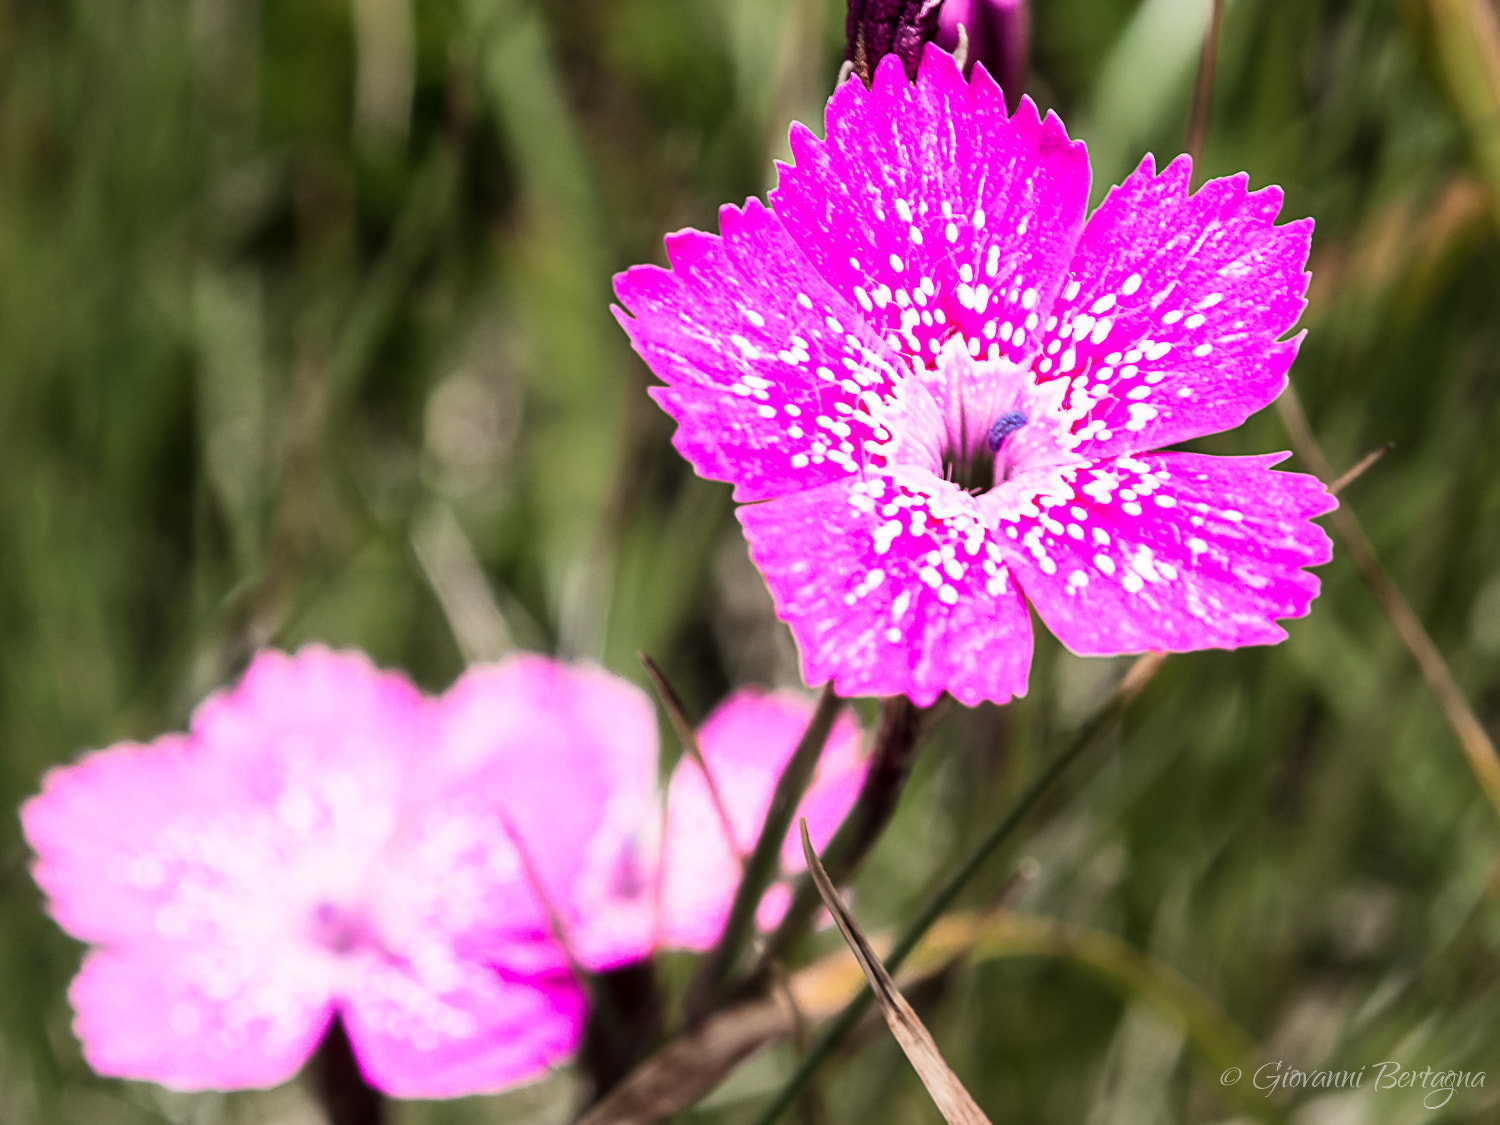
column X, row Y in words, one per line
column 899, row 737
column 1139, row 675
column 764, row 862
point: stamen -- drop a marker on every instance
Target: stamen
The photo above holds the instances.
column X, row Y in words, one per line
column 1005, row 425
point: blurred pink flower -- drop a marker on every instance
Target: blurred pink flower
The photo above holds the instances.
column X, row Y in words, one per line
column 327, row 840
column 746, row 743
column 936, row 387
column 307, row 848
column 585, row 807
column 997, row 33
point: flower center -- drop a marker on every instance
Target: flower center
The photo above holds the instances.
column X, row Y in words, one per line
column 338, row 929
column 991, row 434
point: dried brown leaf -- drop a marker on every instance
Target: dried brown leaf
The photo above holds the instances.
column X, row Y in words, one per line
column 952, row 1099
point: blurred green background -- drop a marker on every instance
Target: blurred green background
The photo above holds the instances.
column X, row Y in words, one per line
column 304, row 333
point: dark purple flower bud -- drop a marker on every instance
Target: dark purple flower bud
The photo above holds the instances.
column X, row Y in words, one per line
column 998, row 32
column 876, row 28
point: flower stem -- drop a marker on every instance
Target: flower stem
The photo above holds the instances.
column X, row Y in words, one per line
column 763, row 862
column 1139, row 675
column 629, row 1002
column 683, row 727
column 347, row 1098
column 903, row 726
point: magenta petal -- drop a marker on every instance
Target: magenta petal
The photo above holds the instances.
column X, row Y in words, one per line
column 755, row 349
column 92, row 825
column 1174, row 307
column 1170, row 552
column 570, row 754
column 310, row 845
column 318, row 708
column 197, row 1017
column 474, row 1031
column 746, row 743
column 935, row 209
column 891, row 623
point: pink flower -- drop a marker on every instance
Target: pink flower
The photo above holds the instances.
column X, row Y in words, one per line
column 746, row 743
column 584, row 803
column 327, row 840
column 308, row 848
column 997, row 32
column 936, row 387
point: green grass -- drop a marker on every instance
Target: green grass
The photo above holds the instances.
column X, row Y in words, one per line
column 272, row 357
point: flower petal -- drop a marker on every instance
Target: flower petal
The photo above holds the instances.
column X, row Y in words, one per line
column 746, row 743
column 486, row 1031
column 886, row 607
column 936, row 210
column 93, row 828
column 763, row 361
column 1173, row 309
column 1171, row 552
column 569, row 753
column 197, row 1017
column 285, row 788
column 317, row 707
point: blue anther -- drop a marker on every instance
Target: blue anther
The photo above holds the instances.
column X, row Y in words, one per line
column 1005, row 425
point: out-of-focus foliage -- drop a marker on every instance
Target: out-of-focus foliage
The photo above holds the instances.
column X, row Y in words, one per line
column 304, row 333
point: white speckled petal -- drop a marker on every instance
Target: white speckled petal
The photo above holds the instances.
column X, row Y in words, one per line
column 884, row 610
column 1170, row 552
column 1173, row 310
column 765, row 364
column 935, row 209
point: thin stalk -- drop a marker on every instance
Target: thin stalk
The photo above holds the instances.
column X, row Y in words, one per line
column 897, row 741
column 677, row 715
column 1139, row 675
column 1203, row 87
column 764, row 861
column 346, row 1097
column 1359, row 468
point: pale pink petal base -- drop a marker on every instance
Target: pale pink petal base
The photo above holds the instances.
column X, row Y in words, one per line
column 483, row 1033
column 315, row 845
column 91, row 828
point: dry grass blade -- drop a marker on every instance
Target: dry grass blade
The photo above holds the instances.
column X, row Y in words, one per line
column 689, row 739
column 953, row 1101
column 1203, row 88
column 1359, row 468
column 898, row 741
column 1472, row 738
column 691, row 1065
